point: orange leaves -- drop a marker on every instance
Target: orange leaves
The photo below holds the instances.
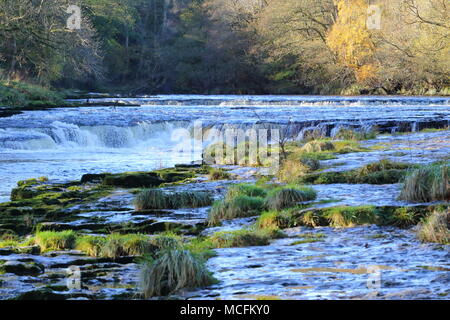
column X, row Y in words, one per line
column 350, row 39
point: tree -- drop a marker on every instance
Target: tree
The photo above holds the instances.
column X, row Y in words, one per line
column 351, row 41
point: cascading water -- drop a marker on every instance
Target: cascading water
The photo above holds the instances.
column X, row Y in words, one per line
column 68, row 142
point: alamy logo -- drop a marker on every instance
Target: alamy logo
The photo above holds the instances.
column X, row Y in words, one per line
column 73, row 277
column 373, row 17
column 74, row 21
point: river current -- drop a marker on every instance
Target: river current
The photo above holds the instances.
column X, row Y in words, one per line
column 66, row 143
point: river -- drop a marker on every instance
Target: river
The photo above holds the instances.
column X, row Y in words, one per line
column 66, row 143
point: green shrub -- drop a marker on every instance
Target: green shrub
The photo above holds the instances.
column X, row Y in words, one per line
column 428, row 183
column 171, row 271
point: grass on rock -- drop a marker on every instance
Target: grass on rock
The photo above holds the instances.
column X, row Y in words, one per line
column 288, row 196
column 435, row 228
column 151, row 199
column 238, row 207
column 427, row 183
column 173, row 270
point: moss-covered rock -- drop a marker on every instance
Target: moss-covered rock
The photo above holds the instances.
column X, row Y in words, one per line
column 22, row 268
column 133, row 180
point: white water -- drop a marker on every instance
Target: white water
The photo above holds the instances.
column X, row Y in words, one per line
column 66, row 143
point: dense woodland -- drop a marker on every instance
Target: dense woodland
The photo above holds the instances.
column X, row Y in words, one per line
column 228, row 46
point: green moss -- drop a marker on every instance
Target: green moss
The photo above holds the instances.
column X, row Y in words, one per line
column 133, row 180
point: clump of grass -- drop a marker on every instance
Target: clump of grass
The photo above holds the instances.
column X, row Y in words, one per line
column 382, row 165
column 403, row 217
column 190, row 200
column 218, row 174
column 238, row 207
column 428, row 183
column 55, row 241
column 435, row 228
column 91, row 245
column 288, row 196
column 318, row 146
column 245, row 189
column 291, row 170
column 350, row 216
column 152, row 199
column 350, row 134
column 273, row 220
column 380, row 172
column 243, row 238
column 171, row 271
column 118, row 245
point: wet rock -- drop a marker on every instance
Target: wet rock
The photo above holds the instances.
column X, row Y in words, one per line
column 6, row 251
column 93, row 177
column 133, row 180
column 33, row 250
column 21, row 193
column 22, row 268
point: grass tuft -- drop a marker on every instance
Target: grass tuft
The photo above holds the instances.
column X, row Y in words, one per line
column 289, row 196
column 152, row 199
column 243, row 238
column 171, row 271
column 218, row 174
column 238, row 207
column 55, row 241
column 428, row 183
column 245, row 189
column 435, row 228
